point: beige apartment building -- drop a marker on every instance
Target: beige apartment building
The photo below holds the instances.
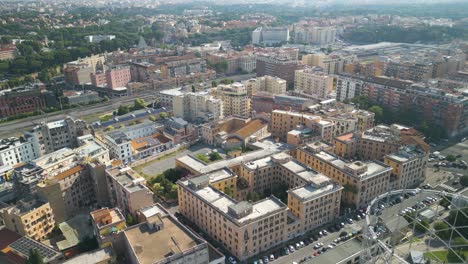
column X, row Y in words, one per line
column 30, row 217
column 249, row 228
column 375, row 143
column 127, row 190
column 409, row 164
column 244, row 229
column 284, row 121
column 269, row 84
column 314, row 82
column 235, row 99
column 361, row 181
column 68, row 192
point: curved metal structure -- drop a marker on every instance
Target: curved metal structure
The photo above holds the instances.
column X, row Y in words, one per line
column 396, row 231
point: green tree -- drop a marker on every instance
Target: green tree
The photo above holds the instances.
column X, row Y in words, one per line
column 34, row 257
column 451, row 158
column 214, row 156
column 229, row 192
column 163, row 115
column 109, row 128
column 446, row 200
column 421, row 226
column 139, row 104
column 193, row 88
column 152, row 118
column 130, row 220
column 122, row 110
column 214, row 84
column 464, row 181
column 378, row 111
column 442, row 230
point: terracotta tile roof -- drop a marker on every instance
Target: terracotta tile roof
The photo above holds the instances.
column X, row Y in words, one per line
column 69, row 172
column 345, row 137
column 251, row 127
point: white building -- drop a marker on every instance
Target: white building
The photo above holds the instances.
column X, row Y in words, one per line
column 248, row 63
column 99, row 38
column 16, row 150
column 270, row 36
column 315, row 35
column 200, row 105
column 347, row 87
column 119, row 142
column 314, row 82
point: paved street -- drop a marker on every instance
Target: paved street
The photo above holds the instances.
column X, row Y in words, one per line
column 309, row 249
column 17, row 127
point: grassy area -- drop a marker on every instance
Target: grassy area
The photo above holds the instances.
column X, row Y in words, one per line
column 445, row 257
column 213, row 156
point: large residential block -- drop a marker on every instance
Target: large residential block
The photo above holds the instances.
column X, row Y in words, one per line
column 314, row 82
column 409, row 165
column 362, row 181
column 284, row 121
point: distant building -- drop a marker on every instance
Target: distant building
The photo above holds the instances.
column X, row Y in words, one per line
column 269, row 84
column 235, row 99
column 284, row 121
column 313, row 82
column 270, row 36
column 118, row 77
column 98, row 38
column 21, row 100
column 7, row 53
column 314, row 35
column 280, row 67
column 81, row 97
column 59, row 134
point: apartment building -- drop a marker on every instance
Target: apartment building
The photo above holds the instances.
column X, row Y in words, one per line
column 235, row 100
column 314, row 82
column 197, row 106
column 314, row 35
column 59, row 134
column 119, row 142
column 161, row 238
column 98, row 38
column 95, row 61
column 277, row 66
column 21, row 100
column 127, row 190
column 210, row 131
column 268, row 84
column 118, row 77
column 284, row 121
column 78, row 74
column 362, row 181
column 409, row 165
column 68, row 192
column 30, row 216
column 107, row 223
column 347, row 87
column 244, row 229
column 270, row 36
column 331, row 64
column 16, row 150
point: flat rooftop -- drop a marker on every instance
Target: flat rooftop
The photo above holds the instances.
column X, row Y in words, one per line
column 128, row 178
column 151, row 246
column 266, row 148
column 309, row 191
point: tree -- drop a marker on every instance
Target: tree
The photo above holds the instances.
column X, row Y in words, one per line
column 34, row 257
column 122, row 110
column 464, row 181
column 153, row 118
column 422, row 226
column 130, row 220
column 229, row 192
column 214, row 84
column 378, row 111
column 442, row 230
column 139, row 104
column 451, row 158
column 109, row 128
column 193, row 88
column 163, row 115
column 214, row 156
column 446, row 200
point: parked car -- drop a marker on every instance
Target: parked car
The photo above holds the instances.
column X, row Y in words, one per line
column 272, row 257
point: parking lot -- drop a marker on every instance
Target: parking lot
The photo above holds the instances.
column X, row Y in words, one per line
column 460, row 151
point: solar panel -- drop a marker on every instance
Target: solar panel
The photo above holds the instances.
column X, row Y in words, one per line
column 25, row 244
